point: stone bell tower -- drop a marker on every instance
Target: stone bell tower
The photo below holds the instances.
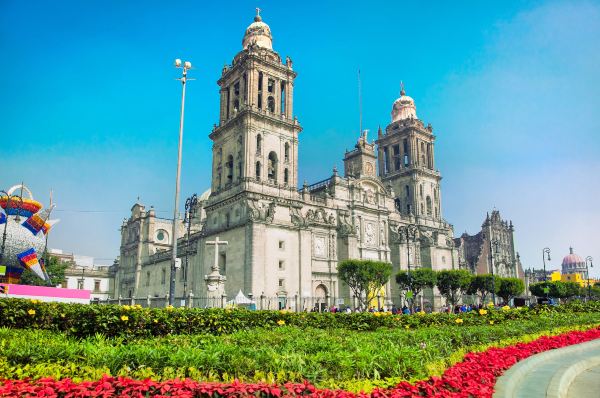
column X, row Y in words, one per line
column 361, row 161
column 406, row 161
column 256, row 141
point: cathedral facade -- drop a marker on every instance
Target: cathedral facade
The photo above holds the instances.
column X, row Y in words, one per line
column 284, row 241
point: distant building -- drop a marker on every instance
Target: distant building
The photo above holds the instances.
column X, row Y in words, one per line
column 493, row 244
column 83, row 274
column 573, row 270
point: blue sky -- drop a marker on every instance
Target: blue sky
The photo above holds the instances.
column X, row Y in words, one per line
column 89, row 106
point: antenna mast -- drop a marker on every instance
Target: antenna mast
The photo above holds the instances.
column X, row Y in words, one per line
column 359, row 105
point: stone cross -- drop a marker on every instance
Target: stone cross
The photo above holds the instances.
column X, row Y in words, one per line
column 216, row 243
column 258, row 10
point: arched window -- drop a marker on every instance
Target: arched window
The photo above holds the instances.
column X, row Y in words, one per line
column 429, row 208
column 282, row 107
column 421, row 190
column 236, row 105
column 287, row 152
column 272, row 167
column 258, row 144
column 229, row 169
column 286, row 176
column 258, row 171
column 422, row 209
column 407, row 189
column 260, row 83
column 271, row 104
column 239, row 170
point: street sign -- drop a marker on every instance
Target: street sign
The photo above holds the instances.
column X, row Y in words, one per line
column 2, row 270
column 409, row 295
column 546, row 290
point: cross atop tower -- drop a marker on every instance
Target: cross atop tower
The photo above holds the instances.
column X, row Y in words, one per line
column 402, row 92
column 258, row 10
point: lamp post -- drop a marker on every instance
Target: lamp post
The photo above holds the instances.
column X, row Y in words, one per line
column 493, row 253
column 408, row 231
column 587, row 273
column 185, row 66
column 544, row 252
column 190, row 212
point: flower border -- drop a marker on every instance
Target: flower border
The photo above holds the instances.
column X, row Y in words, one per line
column 475, row 376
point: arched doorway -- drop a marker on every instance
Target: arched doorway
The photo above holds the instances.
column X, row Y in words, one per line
column 321, row 295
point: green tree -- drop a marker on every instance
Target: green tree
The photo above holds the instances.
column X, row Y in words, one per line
column 557, row 289
column 510, row 288
column 483, row 285
column 420, row 278
column 55, row 269
column 572, row 289
column 452, row 284
column 364, row 277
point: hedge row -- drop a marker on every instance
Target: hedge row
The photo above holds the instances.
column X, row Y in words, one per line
column 351, row 360
column 475, row 376
column 131, row 321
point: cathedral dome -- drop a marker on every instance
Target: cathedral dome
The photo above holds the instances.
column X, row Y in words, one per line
column 404, row 107
column 205, row 195
column 258, row 33
column 572, row 263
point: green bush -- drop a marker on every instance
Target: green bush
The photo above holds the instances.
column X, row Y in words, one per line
column 113, row 321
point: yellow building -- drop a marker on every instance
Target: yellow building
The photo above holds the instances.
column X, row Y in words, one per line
column 557, row 276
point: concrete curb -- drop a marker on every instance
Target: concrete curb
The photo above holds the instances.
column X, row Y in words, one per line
column 506, row 385
column 561, row 381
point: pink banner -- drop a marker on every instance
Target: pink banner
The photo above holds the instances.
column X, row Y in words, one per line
column 43, row 291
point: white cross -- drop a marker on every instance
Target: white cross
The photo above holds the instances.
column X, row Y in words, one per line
column 216, row 243
column 258, row 12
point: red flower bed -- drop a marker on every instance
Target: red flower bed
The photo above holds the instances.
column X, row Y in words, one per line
column 473, row 377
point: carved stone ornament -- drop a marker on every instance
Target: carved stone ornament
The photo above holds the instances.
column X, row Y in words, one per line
column 369, row 233
column 344, row 225
column 252, row 210
column 319, row 216
column 370, row 196
column 257, row 212
column 319, row 246
column 296, row 217
column 270, row 212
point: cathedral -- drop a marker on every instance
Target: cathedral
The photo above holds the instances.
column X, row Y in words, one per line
column 284, row 240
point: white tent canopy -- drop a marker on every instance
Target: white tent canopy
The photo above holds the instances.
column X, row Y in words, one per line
column 241, row 299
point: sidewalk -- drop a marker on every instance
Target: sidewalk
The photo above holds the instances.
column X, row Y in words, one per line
column 570, row 372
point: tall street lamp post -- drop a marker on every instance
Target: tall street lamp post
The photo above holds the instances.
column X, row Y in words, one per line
column 410, row 233
column 190, row 212
column 587, row 274
column 545, row 252
column 185, row 66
